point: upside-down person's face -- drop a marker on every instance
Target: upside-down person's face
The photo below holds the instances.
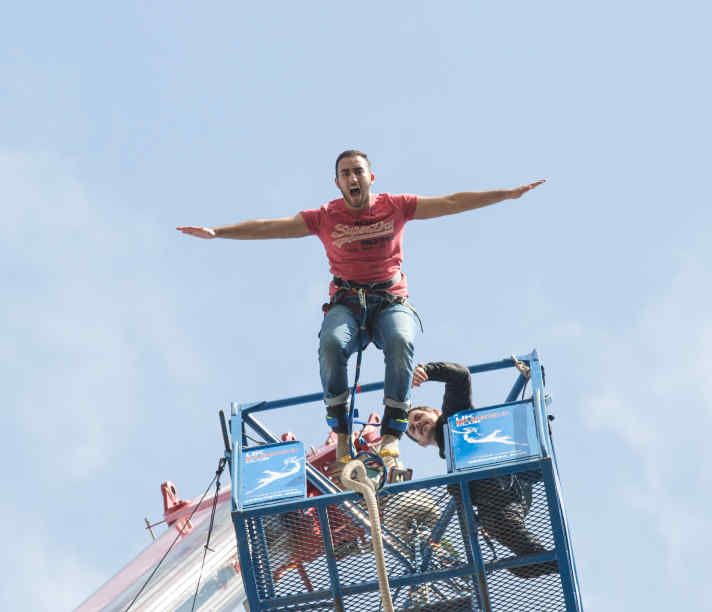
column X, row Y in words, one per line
column 421, row 426
column 354, row 179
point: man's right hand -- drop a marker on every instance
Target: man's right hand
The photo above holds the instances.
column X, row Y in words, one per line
column 419, row 375
column 199, row 232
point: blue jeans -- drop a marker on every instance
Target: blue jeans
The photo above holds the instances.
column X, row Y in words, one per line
column 392, row 329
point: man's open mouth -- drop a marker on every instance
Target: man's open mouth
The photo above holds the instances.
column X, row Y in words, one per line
column 355, row 192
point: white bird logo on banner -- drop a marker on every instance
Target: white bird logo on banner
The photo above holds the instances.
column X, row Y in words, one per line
column 472, row 436
column 271, row 476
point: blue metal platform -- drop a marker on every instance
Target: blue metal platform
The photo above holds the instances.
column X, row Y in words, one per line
column 315, row 553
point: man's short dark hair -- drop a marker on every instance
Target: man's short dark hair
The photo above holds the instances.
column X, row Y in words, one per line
column 350, row 153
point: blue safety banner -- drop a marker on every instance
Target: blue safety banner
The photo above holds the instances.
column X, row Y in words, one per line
column 484, row 437
column 271, row 472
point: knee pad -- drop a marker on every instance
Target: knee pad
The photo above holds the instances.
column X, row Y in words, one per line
column 395, row 421
column 336, row 418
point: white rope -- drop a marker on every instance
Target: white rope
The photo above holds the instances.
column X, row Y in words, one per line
column 354, row 477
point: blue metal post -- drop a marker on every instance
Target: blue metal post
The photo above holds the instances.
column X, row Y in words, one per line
column 540, row 417
column 438, row 531
column 330, row 562
column 471, row 524
column 236, row 429
column 564, row 554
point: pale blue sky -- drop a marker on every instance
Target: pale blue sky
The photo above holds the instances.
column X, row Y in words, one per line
column 123, row 338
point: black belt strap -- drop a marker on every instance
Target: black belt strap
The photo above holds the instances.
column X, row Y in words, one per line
column 380, row 286
column 361, row 289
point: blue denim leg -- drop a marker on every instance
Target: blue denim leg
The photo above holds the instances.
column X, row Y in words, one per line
column 394, row 332
column 338, row 340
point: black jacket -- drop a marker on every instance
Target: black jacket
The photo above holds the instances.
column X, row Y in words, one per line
column 457, row 396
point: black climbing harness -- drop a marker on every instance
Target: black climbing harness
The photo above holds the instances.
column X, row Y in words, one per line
column 346, row 289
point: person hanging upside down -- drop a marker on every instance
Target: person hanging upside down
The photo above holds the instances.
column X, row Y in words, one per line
column 362, row 234
column 502, row 504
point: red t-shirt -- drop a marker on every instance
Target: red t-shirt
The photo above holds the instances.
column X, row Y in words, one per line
column 367, row 248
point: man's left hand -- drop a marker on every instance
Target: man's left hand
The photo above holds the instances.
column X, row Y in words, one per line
column 518, row 192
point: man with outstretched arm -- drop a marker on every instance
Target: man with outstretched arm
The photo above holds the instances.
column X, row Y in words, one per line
column 362, row 234
column 502, row 504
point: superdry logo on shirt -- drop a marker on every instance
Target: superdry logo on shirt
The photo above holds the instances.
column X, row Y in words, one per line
column 344, row 234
